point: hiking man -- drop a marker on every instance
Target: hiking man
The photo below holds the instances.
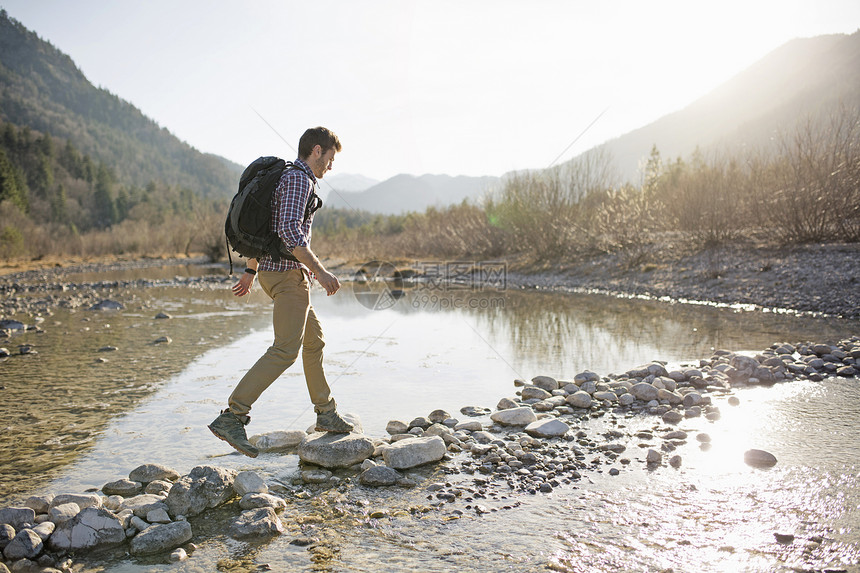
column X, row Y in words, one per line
column 287, row 283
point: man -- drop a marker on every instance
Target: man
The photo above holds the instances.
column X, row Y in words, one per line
column 287, row 283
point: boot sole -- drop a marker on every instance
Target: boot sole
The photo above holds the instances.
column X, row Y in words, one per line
column 321, row 429
column 234, row 446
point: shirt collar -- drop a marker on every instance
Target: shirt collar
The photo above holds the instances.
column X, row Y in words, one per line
column 306, row 168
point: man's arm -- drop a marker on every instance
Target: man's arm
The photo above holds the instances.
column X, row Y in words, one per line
column 243, row 287
column 327, row 280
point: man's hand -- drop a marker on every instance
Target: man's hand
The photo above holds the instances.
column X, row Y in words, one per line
column 243, row 287
column 328, row 281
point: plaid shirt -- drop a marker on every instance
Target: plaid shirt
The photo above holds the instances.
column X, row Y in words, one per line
column 288, row 205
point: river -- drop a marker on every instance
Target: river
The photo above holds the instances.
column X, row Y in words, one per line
column 86, row 415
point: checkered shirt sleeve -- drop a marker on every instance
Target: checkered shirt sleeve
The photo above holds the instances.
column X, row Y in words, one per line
column 289, row 202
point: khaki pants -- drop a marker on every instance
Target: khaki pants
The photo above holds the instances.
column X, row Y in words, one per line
column 296, row 327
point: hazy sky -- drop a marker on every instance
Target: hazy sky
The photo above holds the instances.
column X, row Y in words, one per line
column 463, row 87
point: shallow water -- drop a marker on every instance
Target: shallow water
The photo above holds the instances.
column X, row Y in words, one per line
column 150, row 403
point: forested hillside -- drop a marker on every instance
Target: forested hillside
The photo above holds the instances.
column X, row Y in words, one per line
column 83, row 172
column 42, row 88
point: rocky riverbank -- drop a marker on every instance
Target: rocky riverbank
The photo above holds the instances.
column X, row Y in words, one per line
column 813, row 279
column 818, row 279
column 533, row 443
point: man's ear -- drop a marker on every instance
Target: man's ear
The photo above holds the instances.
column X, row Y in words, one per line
column 317, row 152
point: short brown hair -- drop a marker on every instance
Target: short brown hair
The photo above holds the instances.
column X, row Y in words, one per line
column 314, row 136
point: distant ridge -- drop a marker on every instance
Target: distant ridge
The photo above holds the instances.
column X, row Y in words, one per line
column 409, row 193
column 802, row 78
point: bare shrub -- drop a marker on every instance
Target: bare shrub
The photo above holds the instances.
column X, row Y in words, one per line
column 708, row 199
column 816, row 180
column 546, row 213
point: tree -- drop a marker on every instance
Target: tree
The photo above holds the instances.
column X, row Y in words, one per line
column 105, row 207
column 12, row 186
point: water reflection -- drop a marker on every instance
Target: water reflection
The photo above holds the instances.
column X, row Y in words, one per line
column 714, row 513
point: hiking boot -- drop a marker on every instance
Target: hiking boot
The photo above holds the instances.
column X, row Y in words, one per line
column 332, row 422
column 231, row 428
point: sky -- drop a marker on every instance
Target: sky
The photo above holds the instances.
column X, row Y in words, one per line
column 461, row 87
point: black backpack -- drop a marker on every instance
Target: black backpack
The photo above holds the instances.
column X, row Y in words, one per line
column 248, row 225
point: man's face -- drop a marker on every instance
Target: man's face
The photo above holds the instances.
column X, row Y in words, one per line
column 321, row 162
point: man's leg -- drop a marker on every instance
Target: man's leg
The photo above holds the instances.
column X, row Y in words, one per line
column 312, row 362
column 328, row 420
column 289, row 291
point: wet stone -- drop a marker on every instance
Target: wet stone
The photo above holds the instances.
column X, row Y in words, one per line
column 161, row 538
column 261, row 522
column 123, row 487
column 759, row 458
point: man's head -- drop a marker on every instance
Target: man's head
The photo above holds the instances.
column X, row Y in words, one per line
column 317, row 148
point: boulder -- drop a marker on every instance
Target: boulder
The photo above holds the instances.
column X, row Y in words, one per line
column 45, row 529
column 140, row 505
column 653, row 457
column 64, row 512
column 438, row 416
column 280, row 440
column 759, row 458
column 379, row 476
column 607, row 395
column 92, row 528
column 586, row 376
column 17, row 517
column 205, row 487
column 249, row 482
column 161, row 538
column 469, row 426
column 335, row 450
column 644, row 391
column 395, row 427
column 7, row 534
column 158, row 487
column 534, row 393
column 410, row 453
column 673, row 417
column 39, row 503
column 669, row 396
column 257, row 500
column 547, row 428
column 474, row 411
column 579, row 399
column 744, row 367
column 437, row 430
column 506, row 404
column 545, row 382
column 26, row 545
column 151, row 472
column 83, row 500
column 522, row 416
column 260, row 522
column 123, row 487
column 157, row 515
column 316, row 476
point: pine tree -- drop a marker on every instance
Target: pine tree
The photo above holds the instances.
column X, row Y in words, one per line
column 12, row 186
column 105, row 207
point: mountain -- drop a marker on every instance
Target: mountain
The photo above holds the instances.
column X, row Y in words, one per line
column 405, row 193
column 42, row 88
column 350, row 182
column 803, row 78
